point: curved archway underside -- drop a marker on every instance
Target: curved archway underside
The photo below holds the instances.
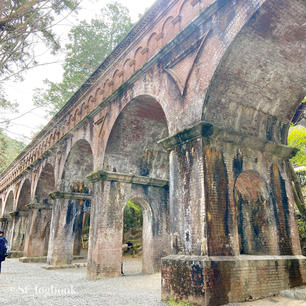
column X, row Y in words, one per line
column 262, row 77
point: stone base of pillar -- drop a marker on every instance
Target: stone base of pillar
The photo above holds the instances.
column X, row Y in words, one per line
column 41, row 259
column 218, row 280
column 58, row 263
column 15, row 254
column 68, row 266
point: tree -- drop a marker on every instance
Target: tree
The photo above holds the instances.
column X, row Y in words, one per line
column 90, row 44
column 9, row 150
column 132, row 217
column 23, row 23
column 297, row 138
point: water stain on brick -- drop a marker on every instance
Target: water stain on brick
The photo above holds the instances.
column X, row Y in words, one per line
column 281, row 210
column 216, row 183
column 252, row 200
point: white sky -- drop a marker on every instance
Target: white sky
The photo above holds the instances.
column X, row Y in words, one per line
column 21, row 92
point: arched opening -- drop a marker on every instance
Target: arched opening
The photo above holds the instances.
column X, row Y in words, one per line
column 24, row 195
column 9, row 204
column 256, row 97
column 132, row 146
column 21, row 217
column 71, row 210
column 37, row 240
column 135, row 168
column 137, row 229
column 77, row 167
column 250, row 92
column 6, row 224
column 45, row 185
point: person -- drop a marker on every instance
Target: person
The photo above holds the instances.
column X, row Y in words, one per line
column 125, row 247
column 3, row 248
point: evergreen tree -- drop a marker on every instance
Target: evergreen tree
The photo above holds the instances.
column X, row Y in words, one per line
column 89, row 45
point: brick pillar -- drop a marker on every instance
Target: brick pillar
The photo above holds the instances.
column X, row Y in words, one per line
column 111, row 191
column 201, row 217
column 231, row 218
column 35, row 242
column 66, row 209
column 77, row 245
column 6, row 224
column 105, row 234
column 19, row 229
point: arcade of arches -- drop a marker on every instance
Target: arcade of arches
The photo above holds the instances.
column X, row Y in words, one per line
column 188, row 118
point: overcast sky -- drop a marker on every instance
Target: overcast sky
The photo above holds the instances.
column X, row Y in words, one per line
column 21, row 92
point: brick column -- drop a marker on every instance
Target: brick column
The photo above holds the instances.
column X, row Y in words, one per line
column 39, row 228
column 6, row 224
column 200, row 207
column 19, row 229
column 77, row 245
column 111, row 191
column 66, row 208
column 231, row 218
column 105, row 234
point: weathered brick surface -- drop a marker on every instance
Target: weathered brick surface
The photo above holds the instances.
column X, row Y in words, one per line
column 105, row 245
column 37, row 236
column 218, row 280
column 238, row 66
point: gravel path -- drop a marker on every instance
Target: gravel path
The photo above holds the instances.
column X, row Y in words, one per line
column 28, row 284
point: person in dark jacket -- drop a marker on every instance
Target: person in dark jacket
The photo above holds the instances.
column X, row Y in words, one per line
column 3, row 248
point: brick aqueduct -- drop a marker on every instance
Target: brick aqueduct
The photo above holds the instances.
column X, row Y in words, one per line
column 188, row 117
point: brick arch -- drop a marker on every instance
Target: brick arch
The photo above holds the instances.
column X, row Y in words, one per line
column 152, row 44
column 75, row 116
column 82, row 109
column 139, row 57
column 147, row 234
column 98, row 94
column 167, row 29
column 45, row 185
column 8, row 203
column 24, row 195
column 127, row 68
column 78, row 164
column 116, row 78
column 134, row 133
column 249, row 91
column 91, row 100
column 188, row 7
column 108, row 87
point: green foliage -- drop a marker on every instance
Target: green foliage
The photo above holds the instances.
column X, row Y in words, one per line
column 132, row 217
column 24, row 23
column 297, row 138
column 9, row 150
column 171, row 301
column 90, row 44
column 301, row 220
